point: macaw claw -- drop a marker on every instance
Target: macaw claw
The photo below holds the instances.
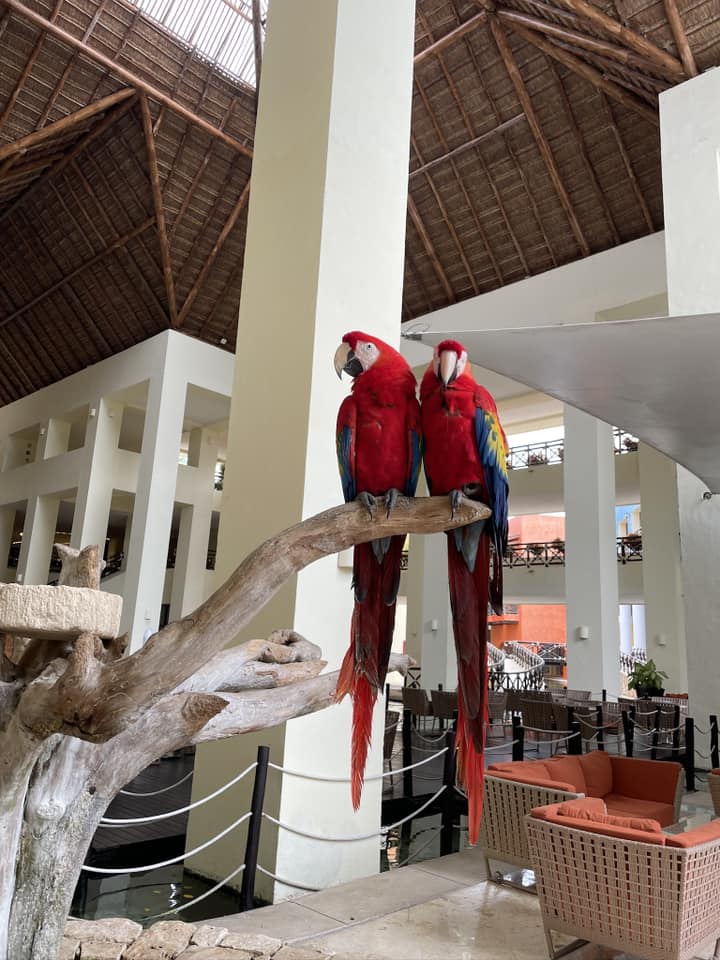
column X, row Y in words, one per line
column 456, row 499
column 368, row 501
column 393, row 496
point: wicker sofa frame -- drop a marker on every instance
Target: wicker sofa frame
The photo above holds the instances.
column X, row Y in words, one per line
column 656, row 902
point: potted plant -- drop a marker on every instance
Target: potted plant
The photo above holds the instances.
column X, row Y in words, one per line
column 646, row 680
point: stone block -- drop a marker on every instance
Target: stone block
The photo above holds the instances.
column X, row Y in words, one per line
column 117, row 929
column 256, row 944
column 208, row 936
column 289, row 952
column 69, row 948
column 102, row 950
column 58, row 613
column 163, row 941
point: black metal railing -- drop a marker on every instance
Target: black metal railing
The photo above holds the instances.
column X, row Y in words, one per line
column 547, row 553
column 629, row 660
column 530, row 455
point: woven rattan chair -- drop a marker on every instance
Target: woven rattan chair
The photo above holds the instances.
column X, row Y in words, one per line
column 538, row 719
column 652, row 901
column 418, row 703
column 444, row 703
column 497, row 702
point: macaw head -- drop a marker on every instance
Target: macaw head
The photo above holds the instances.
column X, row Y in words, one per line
column 358, row 352
column 449, row 361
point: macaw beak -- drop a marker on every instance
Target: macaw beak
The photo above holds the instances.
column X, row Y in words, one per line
column 448, row 367
column 346, row 362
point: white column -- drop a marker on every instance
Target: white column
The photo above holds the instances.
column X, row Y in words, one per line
column 690, row 145
column 334, row 109
column 438, row 661
column 626, row 628
column 591, row 578
column 638, row 625
column 37, row 540
column 7, row 523
column 188, row 586
column 95, row 485
column 154, row 498
column 662, row 565
column 54, row 438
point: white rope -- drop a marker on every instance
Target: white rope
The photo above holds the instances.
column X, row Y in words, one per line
column 288, row 883
column 417, row 852
column 154, row 793
column 380, row 776
column 457, row 789
column 428, row 739
column 353, row 839
column 173, row 813
column 705, row 756
column 190, row 903
column 705, row 733
column 167, row 863
column 501, row 746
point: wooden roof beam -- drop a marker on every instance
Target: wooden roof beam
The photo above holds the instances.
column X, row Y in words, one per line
column 542, row 143
column 115, row 245
column 634, row 182
column 451, row 37
column 583, row 69
column 217, row 247
column 257, row 41
column 124, row 74
column 159, row 209
column 626, row 36
column 464, row 147
column 67, row 123
column 577, row 39
column 681, row 41
column 430, row 249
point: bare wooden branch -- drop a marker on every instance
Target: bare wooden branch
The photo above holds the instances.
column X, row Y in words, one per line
column 680, row 37
column 464, row 147
column 115, row 245
column 451, row 37
column 240, row 205
column 67, row 123
column 430, row 249
column 542, row 143
column 159, row 209
column 127, row 75
column 578, row 39
column 584, row 69
column 669, row 65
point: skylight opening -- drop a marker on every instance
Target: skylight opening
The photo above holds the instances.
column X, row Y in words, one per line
column 219, row 31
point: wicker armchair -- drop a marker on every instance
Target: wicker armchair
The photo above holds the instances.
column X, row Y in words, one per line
column 658, row 899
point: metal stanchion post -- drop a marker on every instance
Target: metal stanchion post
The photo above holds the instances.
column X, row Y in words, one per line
column 247, row 890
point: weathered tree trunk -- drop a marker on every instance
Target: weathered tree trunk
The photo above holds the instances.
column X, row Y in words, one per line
column 73, row 733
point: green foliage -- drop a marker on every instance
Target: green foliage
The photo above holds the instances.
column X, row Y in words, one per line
column 646, row 675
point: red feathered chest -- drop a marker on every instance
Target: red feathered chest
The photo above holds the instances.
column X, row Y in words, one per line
column 448, row 425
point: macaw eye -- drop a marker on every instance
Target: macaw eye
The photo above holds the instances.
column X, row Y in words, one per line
column 368, row 347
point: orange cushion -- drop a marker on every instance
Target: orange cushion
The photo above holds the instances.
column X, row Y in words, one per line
column 654, row 780
column 548, row 784
column 597, row 769
column 568, row 770
column 696, row 836
column 533, row 769
column 716, row 771
column 584, row 808
column 550, row 814
column 620, row 806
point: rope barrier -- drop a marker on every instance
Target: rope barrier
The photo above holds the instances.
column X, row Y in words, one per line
column 417, row 852
column 167, row 863
column 380, row 776
column 288, row 883
column 353, row 839
column 202, row 896
column 105, row 822
column 428, row 739
column 155, row 793
column 705, row 733
column 502, row 746
column 703, row 756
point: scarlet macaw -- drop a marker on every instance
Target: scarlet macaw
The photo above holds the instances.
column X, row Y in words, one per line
column 465, row 451
column 379, row 452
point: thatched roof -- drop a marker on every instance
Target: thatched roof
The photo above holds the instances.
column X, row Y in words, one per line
column 125, row 156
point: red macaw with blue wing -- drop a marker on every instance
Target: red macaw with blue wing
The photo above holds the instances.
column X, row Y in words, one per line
column 379, row 452
column 465, row 452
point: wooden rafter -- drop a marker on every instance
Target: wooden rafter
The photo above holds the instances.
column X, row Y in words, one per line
column 578, row 39
column 124, row 74
column 623, row 77
column 681, row 41
column 67, row 123
column 20, row 170
column 111, row 117
column 217, row 247
column 469, row 145
column 634, row 182
column 257, row 42
column 625, row 35
column 115, row 245
column 583, row 69
column 159, row 209
column 540, row 138
column 472, row 24
column 430, row 249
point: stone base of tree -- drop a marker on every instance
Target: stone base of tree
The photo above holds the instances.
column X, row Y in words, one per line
column 118, row 939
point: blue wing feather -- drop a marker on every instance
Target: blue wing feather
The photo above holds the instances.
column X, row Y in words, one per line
column 415, row 461
column 347, row 474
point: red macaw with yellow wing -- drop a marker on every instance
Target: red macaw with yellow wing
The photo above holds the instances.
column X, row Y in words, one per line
column 465, row 451
column 379, row 452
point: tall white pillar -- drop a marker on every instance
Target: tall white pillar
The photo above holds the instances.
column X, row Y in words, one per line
column 7, row 523
column 626, row 628
column 54, row 438
column 690, row 146
column 95, row 485
column 154, row 498
column 438, row 661
column 591, row 579
column 334, row 109
column 188, row 588
column 38, row 538
column 662, row 565
column 639, row 628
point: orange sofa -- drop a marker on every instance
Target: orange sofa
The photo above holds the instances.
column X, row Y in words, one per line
column 628, row 787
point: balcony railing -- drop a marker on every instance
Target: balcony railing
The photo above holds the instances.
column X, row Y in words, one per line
column 548, row 553
column 553, row 451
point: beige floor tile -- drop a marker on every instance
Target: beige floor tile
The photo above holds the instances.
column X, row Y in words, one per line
column 287, row 920
column 467, row 866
